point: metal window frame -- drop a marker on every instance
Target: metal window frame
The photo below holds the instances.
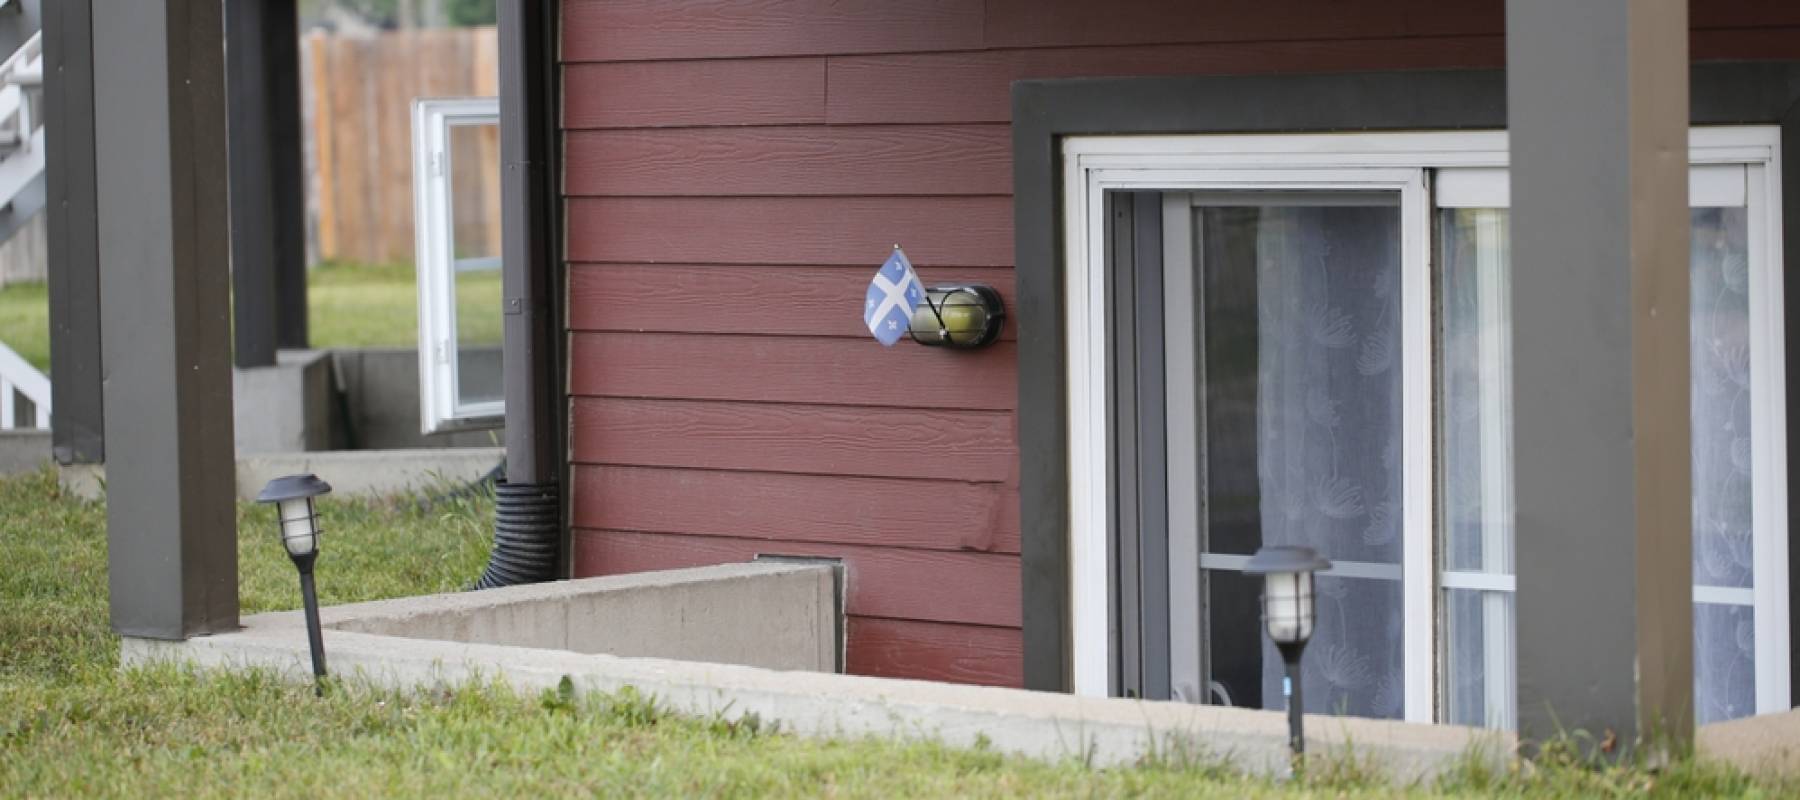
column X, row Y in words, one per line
column 1734, row 166
column 441, row 407
column 1100, row 169
column 1046, row 111
column 1097, row 166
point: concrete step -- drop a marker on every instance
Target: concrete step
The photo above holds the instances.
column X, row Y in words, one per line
column 357, row 473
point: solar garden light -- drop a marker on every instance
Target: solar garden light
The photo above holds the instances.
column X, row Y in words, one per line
column 1288, row 614
column 299, row 524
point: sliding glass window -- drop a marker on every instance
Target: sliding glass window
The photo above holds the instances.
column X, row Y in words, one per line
column 1307, row 340
column 1729, row 366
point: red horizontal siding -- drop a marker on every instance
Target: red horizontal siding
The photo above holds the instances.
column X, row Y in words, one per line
column 623, row 30
column 968, row 231
column 783, row 301
column 977, row 87
column 971, row 588
column 875, row 512
column 1746, row 43
column 817, row 440
column 937, row 651
column 737, row 168
column 857, row 372
column 1743, row 13
column 954, row 87
column 766, row 91
column 1049, row 23
column 705, row 162
column 1052, row 23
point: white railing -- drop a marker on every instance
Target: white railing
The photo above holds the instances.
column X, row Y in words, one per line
column 21, row 163
column 21, row 131
column 19, row 379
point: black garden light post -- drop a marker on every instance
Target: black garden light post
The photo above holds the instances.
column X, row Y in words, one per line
column 1288, row 614
column 299, row 524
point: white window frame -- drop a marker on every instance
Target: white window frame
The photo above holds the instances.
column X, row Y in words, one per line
column 1729, row 168
column 1093, row 165
column 441, row 408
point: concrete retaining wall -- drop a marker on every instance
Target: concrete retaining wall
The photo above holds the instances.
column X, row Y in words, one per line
column 1102, row 731
column 23, row 451
column 381, row 399
column 347, row 399
column 364, row 473
column 779, row 616
column 284, row 408
column 1767, row 745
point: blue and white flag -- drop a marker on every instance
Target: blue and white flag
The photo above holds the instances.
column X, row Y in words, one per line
column 893, row 296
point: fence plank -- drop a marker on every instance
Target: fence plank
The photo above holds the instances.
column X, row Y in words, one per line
column 362, row 91
column 320, row 124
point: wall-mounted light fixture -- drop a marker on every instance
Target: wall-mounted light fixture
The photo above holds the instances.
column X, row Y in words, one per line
column 960, row 317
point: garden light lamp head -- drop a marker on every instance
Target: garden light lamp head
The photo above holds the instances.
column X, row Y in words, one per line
column 1288, row 609
column 297, row 519
column 296, row 514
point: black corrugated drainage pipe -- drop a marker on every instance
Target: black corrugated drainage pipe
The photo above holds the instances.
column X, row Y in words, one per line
column 527, row 534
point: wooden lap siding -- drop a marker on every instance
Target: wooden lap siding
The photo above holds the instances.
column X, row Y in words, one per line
column 734, row 172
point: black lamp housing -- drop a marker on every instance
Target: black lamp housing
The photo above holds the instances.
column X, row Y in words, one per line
column 297, row 521
column 1289, row 614
column 298, row 524
column 959, row 317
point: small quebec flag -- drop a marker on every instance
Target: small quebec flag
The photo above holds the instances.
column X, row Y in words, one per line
column 893, row 296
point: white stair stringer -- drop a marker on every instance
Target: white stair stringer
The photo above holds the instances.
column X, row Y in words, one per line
column 22, row 193
column 18, row 378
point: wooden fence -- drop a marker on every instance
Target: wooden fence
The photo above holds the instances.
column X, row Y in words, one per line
column 358, row 93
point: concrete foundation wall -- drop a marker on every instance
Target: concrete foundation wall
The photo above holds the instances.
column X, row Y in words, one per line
column 354, row 399
column 25, row 255
column 775, row 616
column 366, row 473
column 381, row 403
column 284, row 408
column 1767, row 745
column 23, row 451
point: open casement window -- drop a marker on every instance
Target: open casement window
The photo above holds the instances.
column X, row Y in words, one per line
column 456, row 208
column 1305, row 339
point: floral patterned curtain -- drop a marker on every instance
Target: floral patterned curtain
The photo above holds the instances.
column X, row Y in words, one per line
column 1724, row 634
column 1329, row 432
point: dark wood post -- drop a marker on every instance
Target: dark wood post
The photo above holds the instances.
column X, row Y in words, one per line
column 159, row 113
column 528, row 243
column 1597, row 98
column 77, row 427
column 268, row 196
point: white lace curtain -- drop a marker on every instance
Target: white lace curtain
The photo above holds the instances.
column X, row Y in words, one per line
column 1724, row 635
column 1329, row 432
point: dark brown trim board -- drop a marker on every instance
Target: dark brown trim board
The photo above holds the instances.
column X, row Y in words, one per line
column 159, row 121
column 531, row 255
column 78, row 426
column 1044, row 111
column 268, row 189
column 1597, row 102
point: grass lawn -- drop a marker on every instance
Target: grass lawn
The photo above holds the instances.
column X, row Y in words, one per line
column 25, row 322
column 73, row 724
column 349, row 305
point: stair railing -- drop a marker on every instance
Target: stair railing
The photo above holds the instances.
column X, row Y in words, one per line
column 20, row 380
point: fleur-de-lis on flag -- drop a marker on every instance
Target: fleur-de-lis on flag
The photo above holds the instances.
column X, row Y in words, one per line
column 893, row 296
